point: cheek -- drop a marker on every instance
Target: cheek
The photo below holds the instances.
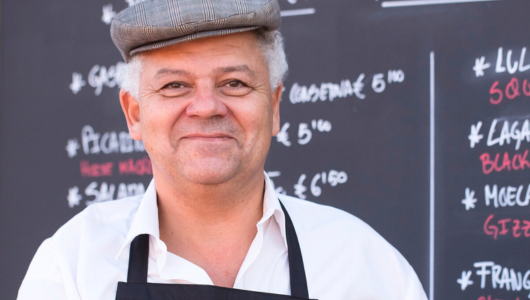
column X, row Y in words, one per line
column 256, row 121
column 158, row 120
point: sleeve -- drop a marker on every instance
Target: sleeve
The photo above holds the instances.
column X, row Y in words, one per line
column 44, row 278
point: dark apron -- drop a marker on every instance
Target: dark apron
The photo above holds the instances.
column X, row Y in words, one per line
column 138, row 288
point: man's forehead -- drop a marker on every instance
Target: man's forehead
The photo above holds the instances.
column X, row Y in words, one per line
column 164, row 71
column 239, row 55
column 218, row 44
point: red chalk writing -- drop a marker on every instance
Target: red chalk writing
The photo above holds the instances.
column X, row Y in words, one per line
column 139, row 167
column 515, row 162
column 95, row 169
column 507, row 226
column 490, row 298
column 513, row 89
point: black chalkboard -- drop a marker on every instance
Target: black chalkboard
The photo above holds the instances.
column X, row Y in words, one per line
column 392, row 111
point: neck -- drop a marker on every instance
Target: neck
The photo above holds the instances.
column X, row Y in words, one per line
column 212, row 226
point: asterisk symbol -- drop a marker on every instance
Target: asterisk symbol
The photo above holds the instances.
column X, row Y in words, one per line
column 470, row 200
column 464, row 281
column 73, row 197
column 77, row 82
column 108, row 14
column 71, row 147
column 480, row 66
column 283, row 135
column 474, row 137
column 299, row 188
column 358, row 86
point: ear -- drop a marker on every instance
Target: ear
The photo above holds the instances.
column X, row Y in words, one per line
column 131, row 109
column 276, row 98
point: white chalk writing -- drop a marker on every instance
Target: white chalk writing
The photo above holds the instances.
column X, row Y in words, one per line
column 502, row 277
column 100, row 76
column 506, row 195
column 333, row 178
column 516, row 131
column 108, row 142
column 106, row 192
column 305, row 131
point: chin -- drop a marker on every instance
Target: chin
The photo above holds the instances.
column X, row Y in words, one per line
column 210, row 171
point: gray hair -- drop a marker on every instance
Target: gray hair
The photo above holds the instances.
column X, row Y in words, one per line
column 270, row 42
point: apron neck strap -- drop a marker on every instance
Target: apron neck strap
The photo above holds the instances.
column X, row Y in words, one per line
column 296, row 263
column 139, row 259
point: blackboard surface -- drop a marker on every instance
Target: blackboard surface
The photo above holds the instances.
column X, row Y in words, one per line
column 414, row 118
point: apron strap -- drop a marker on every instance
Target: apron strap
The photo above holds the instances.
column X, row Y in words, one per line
column 139, row 259
column 296, row 263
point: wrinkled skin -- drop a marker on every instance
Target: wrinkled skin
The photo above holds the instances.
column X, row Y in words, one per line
column 206, row 112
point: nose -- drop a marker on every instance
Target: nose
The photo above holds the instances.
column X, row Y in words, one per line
column 206, row 104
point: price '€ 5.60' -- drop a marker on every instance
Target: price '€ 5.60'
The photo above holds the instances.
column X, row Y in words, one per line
column 305, row 131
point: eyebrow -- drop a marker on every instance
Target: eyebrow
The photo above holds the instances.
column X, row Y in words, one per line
column 238, row 68
column 166, row 71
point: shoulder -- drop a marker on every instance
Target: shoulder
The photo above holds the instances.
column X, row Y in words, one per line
column 66, row 260
column 334, row 228
column 110, row 211
column 108, row 221
column 313, row 218
column 349, row 255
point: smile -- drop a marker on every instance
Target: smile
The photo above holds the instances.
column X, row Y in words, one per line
column 208, row 138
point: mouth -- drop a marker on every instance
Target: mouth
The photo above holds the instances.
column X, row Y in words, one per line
column 207, row 137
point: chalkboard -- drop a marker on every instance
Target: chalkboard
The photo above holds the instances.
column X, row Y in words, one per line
column 412, row 115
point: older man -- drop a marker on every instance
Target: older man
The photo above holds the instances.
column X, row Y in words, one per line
column 202, row 90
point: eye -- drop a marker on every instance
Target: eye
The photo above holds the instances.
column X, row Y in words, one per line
column 174, row 89
column 236, row 88
column 173, row 85
column 236, row 84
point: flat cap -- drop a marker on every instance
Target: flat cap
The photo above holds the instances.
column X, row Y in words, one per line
column 154, row 24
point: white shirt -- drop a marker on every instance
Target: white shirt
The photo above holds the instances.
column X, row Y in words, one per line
column 344, row 258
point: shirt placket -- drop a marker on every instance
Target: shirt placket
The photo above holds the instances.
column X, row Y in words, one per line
column 253, row 252
column 174, row 269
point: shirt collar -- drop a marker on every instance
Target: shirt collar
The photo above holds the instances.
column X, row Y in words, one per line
column 146, row 218
column 272, row 207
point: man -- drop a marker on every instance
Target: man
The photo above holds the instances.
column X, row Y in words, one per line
column 202, row 90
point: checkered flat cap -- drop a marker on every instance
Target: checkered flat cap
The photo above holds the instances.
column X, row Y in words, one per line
column 154, row 24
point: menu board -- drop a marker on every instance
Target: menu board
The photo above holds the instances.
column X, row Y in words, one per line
column 412, row 115
column 484, row 184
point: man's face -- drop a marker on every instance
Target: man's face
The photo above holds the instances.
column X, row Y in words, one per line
column 206, row 112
